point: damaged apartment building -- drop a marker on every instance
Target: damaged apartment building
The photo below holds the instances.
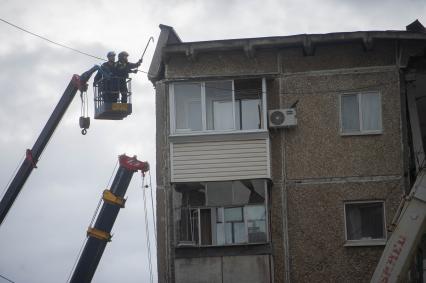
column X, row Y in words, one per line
column 285, row 159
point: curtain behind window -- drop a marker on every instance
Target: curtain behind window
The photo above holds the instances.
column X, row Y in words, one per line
column 353, row 222
column 370, row 109
column 350, row 113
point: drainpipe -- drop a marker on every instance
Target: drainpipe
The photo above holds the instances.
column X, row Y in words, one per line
column 284, row 185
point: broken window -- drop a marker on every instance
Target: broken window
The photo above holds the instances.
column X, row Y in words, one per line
column 234, row 225
column 187, row 197
column 256, row 223
column 360, row 113
column 219, row 193
column 365, row 221
column 221, row 213
column 217, row 106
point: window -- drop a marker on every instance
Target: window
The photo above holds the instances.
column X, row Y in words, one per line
column 360, row 113
column 365, row 222
column 217, row 106
column 221, row 213
column 189, row 104
column 256, row 223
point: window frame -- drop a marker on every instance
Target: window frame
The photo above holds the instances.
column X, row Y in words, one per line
column 365, row 242
column 361, row 131
column 204, row 131
column 198, row 242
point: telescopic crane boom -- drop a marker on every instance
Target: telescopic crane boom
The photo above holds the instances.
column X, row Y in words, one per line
column 77, row 83
column 99, row 235
column 410, row 227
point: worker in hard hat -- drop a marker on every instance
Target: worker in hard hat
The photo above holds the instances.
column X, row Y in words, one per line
column 122, row 69
column 109, row 65
column 104, row 79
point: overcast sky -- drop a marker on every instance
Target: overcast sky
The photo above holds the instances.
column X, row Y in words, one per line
column 42, row 235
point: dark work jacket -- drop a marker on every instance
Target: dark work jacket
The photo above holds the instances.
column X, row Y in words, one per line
column 107, row 70
column 122, row 69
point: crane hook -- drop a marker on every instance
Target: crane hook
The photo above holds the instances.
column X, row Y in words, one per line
column 84, row 124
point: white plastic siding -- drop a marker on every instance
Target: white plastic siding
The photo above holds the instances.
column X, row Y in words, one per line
column 220, row 160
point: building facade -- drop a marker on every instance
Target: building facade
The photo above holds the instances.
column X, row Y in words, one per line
column 305, row 197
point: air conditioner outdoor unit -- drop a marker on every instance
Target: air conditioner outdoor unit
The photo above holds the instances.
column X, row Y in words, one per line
column 280, row 118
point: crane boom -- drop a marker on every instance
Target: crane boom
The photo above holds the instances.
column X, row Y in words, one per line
column 99, row 234
column 401, row 246
column 32, row 156
column 395, row 261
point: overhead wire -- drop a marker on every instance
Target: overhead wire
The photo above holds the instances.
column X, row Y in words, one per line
column 57, row 43
column 90, row 55
column 5, row 278
column 96, row 57
column 51, row 41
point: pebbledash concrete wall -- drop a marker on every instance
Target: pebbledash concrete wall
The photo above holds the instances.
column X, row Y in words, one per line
column 323, row 168
column 314, row 168
column 163, row 192
column 226, row 269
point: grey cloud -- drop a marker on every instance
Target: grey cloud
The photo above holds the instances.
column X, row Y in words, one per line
column 44, row 231
column 58, row 200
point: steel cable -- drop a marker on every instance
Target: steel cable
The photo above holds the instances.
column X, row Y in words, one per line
column 90, row 225
column 153, row 212
column 51, row 41
column 148, row 242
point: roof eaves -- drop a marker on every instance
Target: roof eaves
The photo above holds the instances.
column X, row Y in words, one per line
column 288, row 41
column 167, row 36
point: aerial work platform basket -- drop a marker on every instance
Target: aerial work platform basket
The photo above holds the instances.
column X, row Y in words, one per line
column 113, row 98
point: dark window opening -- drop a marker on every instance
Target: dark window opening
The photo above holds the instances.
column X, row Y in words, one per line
column 221, row 213
column 365, row 221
